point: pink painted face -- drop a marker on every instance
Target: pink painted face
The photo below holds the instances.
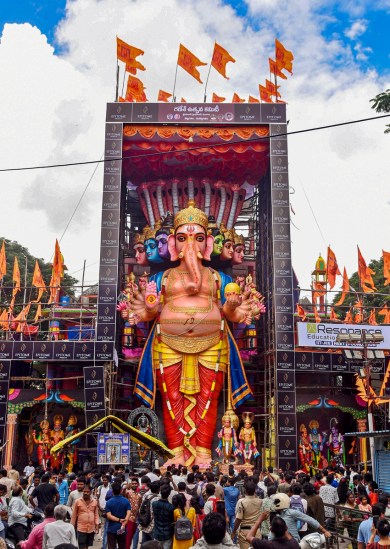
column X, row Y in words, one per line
column 238, row 254
column 227, row 251
column 190, row 233
column 140, row 255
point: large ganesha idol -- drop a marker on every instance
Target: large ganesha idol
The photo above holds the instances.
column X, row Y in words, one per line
column 190, row 347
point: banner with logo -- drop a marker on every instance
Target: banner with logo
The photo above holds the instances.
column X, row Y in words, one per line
column 324, row 335
column 94, row 394
column 113, row 449
column 5, row 369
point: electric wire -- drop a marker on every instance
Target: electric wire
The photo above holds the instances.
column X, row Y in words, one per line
column 222, row 144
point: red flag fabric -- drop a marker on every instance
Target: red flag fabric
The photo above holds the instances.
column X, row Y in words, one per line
column 135, row 90
column 386, row 267
column 189, row 62
column 125, row 52
column 372, row 319
column 133, row 65
column 38, row 281
column 344, row 288
column 319, row 291
column 57, row 273
column 317, row 317
column 348, row 317
column 264, row 94
column 273, row 68
column 3, row 261
column 220, row 59
column 301, row 312
column 365, row 275
column 253, row 100
column 16, row 277
column 271, row 88
column 237, row 99
column 217, row 99
column 163, row 96
column 284, row 58
column 332, row 268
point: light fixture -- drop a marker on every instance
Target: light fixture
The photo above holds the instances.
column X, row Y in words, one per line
column 355, row 338
column 357, row 355
column 379, row 354
column 342, row 338
column 362, row 373
column 348, row 354
column 378, row 338
column 370, row 355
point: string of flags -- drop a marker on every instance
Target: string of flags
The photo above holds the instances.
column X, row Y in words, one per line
column 355, row 313
column 189, row 62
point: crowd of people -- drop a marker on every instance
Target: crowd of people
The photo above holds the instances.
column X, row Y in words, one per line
column 184, row 507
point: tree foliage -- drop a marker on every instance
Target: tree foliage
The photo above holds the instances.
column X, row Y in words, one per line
column 14, row 249
column 381, row 103
column 377, row 299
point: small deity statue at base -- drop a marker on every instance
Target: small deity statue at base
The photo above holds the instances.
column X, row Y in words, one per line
column 56, row 436
column 335, row 443
column 43, row 442
column 247, row 438
column 228, row 444
column 304, row 450
column 71, row 451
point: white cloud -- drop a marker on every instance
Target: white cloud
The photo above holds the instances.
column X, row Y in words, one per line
column 53, row 110
column 357, row 28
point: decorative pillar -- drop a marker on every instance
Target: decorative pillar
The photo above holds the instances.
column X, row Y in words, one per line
column 362, row 428
column 10, row 438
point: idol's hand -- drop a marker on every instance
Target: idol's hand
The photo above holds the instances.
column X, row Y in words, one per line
column 151, row 296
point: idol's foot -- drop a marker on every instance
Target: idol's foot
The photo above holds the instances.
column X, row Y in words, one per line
column 178, row 459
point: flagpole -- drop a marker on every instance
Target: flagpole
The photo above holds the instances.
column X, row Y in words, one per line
column 208, row 76
column 174, row 86
column 117, row 83
column 123, row 83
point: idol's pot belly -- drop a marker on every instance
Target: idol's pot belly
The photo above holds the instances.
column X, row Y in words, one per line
column 191, row 323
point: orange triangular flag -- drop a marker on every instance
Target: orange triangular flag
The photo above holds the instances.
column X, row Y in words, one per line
column 220, row 58
column 332, row 269
column 4, row 320
column 284, row 58
column 333, row 315
column 372, row 319
column 123, row 100
column 271, row 88
column 348, row 317
column 264, row 94
column 38, row 281
column 344, row 288
column 57, row 272
column 21, row 319
column 3, row 261
column 386, row 267
column 386, row 313
column 317, row 317
column 359, row 315
column 38, row 314
column 182, row 100
column 365, row 275
column 273, row 67
column 237, row 98
column 188, row 61
column 301, row 312
column 385, row 380
column 319, row 291
column 16, row 277
column 253, row 100
column 133, row 65
column 217, row 99
column 125, row 52
column 163, row 96
column 135, row 89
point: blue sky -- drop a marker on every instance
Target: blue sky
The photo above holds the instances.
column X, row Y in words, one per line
column 370, row 45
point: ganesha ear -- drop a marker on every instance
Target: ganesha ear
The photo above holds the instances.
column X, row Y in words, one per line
column 172, row 247
column 209, row 248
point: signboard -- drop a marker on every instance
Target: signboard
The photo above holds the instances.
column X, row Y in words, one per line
column 113, row 449
column 324, row 335
column 5, row 370
column 94, row 394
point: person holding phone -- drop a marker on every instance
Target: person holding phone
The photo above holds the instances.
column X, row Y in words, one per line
column 382, row 529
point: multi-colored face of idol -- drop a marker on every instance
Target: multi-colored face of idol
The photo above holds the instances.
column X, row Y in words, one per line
column 140, row 255
column 218, row 244
column 162, row 246
column 238, row 254
column 151, row 248
column 227, row 251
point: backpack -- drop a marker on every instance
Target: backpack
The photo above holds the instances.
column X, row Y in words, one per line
column 183, row 529
column 145, row 513
column 193, row 492
column 296, row 503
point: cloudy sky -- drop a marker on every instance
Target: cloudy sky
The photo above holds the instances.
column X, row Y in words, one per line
column 58, row 65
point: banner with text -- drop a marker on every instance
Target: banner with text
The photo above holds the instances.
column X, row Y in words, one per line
column 113, row 449
column 94, row 394
column 325, row 335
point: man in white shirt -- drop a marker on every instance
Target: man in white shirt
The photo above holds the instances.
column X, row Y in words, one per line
column 29, row 469
column 59, row 531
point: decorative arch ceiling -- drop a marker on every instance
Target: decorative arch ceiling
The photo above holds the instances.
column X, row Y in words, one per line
column 235, row 154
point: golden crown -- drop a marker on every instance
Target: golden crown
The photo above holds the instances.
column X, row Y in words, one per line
column 248, row 416
column 191, row 215
column 138, row 239
column 238, row 239
column 228, row 234
column 148, row 232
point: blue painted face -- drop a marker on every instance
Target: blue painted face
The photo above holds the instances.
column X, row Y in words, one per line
column 162, row 240
column 151, row 249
